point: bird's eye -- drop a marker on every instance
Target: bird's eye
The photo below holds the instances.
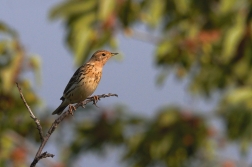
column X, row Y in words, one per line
column 103, row 54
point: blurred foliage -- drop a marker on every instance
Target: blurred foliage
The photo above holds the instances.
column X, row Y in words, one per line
column 236, row 108
column 13, row 63
column 207, row 41
column 169, row 139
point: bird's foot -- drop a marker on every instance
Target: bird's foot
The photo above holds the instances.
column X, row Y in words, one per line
column 71, row 109
column 95, row 99
column 83, row 104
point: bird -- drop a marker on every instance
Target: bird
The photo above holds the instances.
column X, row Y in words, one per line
column 84, row 81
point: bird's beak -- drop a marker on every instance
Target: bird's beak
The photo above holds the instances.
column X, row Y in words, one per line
column 113, row 54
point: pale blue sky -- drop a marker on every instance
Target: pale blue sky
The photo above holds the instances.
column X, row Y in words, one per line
column 133, row 78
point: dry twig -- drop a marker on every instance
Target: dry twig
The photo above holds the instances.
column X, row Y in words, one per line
column 44, row 138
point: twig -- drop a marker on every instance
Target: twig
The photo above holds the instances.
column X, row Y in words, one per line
column 54, row 125
column 39, row 127
column 41, row 156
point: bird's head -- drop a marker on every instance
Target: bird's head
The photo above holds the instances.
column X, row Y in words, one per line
column 101, row 56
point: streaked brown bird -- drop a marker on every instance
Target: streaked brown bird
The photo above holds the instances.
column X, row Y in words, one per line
column 84, row 81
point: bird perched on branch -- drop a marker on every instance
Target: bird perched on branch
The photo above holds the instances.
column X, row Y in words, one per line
column 84, row 81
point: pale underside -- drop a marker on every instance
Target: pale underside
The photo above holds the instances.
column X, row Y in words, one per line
column 89, row 78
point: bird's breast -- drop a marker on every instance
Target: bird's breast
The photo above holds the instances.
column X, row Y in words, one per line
column 92, row 81
column 86, row 86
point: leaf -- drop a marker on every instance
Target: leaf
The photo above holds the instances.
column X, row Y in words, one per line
column 4, row 28
column 182, row 6
column 227, row 6
column 106, row 8
column 10, row 73
column 156, row 11
column 73, row 7
column 167, row 118
column 233, row 36
column 82, row 44
column 239, row 95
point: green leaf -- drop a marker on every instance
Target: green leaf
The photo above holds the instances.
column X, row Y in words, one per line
column 233, row 36
column 239, row 95
column 106, row 8
column 73, row 7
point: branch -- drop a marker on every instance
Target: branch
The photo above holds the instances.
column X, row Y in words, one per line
column 39, row 127
column 54, row 125
column 41, row 156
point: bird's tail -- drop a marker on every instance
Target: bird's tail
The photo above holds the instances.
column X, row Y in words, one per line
column 60, row 109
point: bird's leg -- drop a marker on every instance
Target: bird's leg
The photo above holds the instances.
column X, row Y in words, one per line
column 71, row 109
column 95, row 99
column 83, row 104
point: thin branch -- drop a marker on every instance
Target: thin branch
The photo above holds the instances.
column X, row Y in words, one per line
column 41, row 156
column 54, row 125
column 36, row 120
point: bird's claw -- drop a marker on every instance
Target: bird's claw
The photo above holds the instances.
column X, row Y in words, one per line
column 83, row 104
column 71, row 109
column 95, row 99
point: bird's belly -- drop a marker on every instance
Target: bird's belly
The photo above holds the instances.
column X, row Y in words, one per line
column 83, row 90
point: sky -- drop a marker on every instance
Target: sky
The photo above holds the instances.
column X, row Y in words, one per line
column 133, row 78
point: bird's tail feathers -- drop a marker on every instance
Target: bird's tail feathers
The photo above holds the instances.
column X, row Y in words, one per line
column 60, row 109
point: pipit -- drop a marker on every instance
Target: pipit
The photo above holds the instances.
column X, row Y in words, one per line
column 84, row 81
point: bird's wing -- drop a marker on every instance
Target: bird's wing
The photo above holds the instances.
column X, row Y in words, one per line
column 82, row 71
column 74, row 79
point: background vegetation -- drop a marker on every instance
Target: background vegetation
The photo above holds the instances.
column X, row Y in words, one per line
column 209, row 42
